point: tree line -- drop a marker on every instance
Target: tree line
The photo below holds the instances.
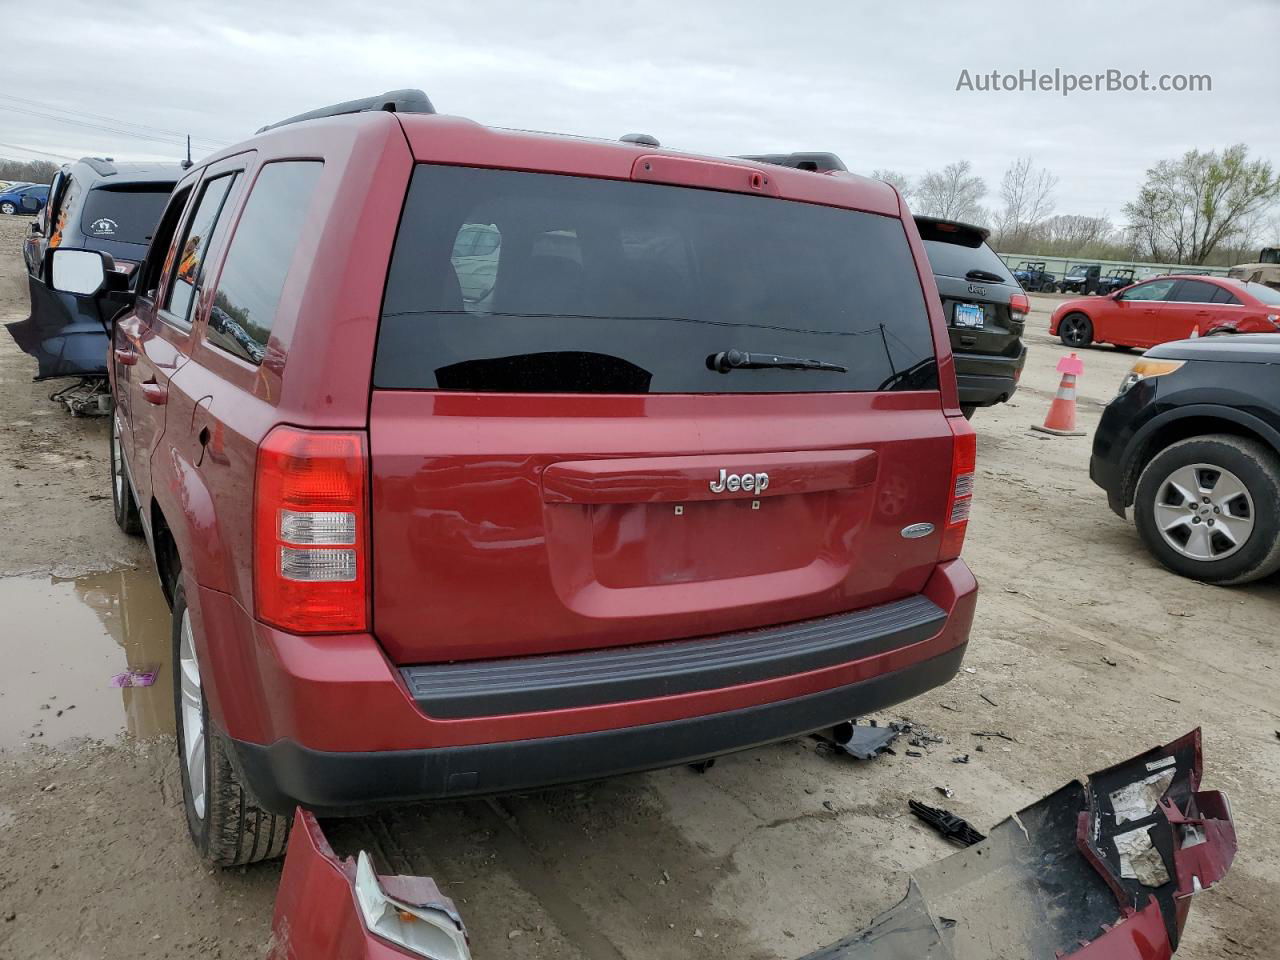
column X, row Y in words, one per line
column 1203, row 208
column 27, row 171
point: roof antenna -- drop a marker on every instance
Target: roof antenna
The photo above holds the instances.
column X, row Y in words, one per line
column 186, row 164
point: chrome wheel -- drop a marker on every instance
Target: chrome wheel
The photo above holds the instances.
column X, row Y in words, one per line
column 9, row 208
column 192, row 705
column 1204, row 512
column 117, row 464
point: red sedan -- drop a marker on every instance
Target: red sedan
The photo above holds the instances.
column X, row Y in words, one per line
column 1167, row 308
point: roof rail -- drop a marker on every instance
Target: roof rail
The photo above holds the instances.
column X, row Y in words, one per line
column 817, row 162
column 393, row 101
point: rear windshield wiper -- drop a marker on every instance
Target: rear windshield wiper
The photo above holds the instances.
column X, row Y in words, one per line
column 984, row 275
column 727, row 360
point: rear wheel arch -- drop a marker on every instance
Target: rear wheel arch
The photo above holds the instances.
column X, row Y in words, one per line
column 1169, row 429
column 165, row 549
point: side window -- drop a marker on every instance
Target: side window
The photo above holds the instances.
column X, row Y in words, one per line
column 257, row 262
column 67, row 205
column 1223, row 295
column 1155, row 290
column 161, row 251
column 195, row 246
column 1194, row 291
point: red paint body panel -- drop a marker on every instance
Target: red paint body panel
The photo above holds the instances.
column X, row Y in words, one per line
column 316, row 915
column 342, row 693
column 461, row 502
column 1140, row 323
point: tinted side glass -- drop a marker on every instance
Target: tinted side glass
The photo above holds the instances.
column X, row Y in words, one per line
column 528, row 283
column 1194, row 291
column 1155, row 290
column 195, row 245
column 127, row 213
column 67, row 208
column 162, row 249
column 257, row 263
column 1223, row 295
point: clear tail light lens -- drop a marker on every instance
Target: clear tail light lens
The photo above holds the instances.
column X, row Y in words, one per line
column 311, row 531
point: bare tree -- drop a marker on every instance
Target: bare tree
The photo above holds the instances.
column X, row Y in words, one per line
column 1190, row 206
column 953, row 193
column 1071, row 233
column 28, row 171
column 1027, row 194
column 900, row 181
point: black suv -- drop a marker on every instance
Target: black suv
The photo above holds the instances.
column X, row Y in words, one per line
column 985, row 309
column 94, row 204
column 1192, row 442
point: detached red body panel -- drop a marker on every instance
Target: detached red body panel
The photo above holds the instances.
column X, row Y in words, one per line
column 1103, row 869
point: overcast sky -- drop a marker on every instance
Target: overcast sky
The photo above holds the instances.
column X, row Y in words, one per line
column 873, row 82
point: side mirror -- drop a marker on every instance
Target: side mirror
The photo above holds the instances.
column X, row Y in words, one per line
column 82, row 272
column 30, row 204
column 34, row 229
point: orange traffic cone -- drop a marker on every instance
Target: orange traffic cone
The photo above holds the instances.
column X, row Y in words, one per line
column 1061, row 421
column 1195, row 332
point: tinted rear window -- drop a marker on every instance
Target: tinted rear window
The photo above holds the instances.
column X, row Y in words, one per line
column 127, row 213
column 949, row 258
column 533, row 283
column 1260, row 291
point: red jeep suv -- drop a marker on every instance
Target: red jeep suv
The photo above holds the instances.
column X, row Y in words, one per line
column 478, row 460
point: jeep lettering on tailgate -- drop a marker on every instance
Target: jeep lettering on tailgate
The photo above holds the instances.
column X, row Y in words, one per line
column 733, row 482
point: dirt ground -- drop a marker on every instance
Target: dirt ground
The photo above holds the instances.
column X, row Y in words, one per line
column 771, row 853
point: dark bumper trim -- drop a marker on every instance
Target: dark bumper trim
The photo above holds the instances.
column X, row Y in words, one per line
column 285, row 774
column 593, row 677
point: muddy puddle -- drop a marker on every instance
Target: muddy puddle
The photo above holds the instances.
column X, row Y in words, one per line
column 64, row 646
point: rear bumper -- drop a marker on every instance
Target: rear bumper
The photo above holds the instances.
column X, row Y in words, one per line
column 331, row 724
column 285, row 775
column 985, row 380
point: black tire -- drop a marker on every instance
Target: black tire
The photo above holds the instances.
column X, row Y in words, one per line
column 968, row 410
column 8, row 208
column 232, row 829
column 123, row 504
column 1257, row 467
column 1075, row 330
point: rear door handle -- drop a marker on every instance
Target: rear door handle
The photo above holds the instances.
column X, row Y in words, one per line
column 154, row 392
column 126, row 357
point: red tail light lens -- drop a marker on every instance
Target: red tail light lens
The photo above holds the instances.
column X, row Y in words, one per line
column 1019, row 306
column 311, row 564
column 964, row 464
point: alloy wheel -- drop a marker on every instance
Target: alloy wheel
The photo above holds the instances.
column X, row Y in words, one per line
column 193, row 734
column 117, row 464
column 8, row 208
column 1072, row 329
column 1204, row 512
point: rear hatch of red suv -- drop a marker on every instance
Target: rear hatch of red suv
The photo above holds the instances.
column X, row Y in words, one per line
column 608, row 412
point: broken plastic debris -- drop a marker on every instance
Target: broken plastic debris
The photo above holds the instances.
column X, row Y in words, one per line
column 864, row 741
column 946, row 823
column 135, row 677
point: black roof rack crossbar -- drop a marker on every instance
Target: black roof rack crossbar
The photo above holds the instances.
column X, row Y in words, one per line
column 393, row 101
column 817, row 162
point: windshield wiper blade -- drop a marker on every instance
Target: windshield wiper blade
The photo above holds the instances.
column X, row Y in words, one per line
column 727, row 360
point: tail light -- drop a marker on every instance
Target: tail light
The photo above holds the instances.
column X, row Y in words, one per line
column 311, row 564
column 964, row 463
column 1019, row 307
